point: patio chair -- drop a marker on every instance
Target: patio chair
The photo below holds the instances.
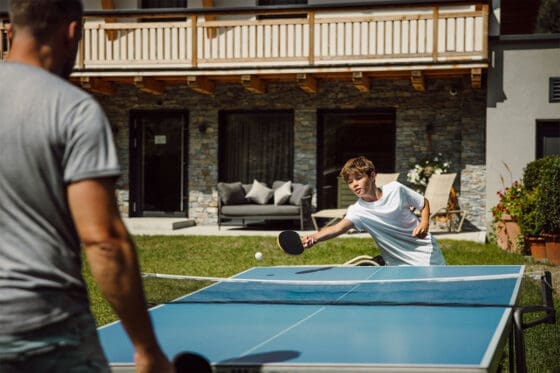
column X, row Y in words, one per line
column 366, row 260
column 345, row 198
column 438, row 190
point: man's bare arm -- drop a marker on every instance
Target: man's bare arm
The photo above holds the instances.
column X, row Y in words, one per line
column 112, row 257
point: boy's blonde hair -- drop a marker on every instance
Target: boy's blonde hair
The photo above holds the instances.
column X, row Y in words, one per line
column 359, row 165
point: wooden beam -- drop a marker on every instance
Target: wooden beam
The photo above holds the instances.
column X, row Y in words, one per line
column 476, row 78
column 253, row 84
column 307, row 83
column 361, row 81
column 149, row 85
column 97, row 85
column 417, row 80
column 109, row 5
column 201, row 84
column 210, row 32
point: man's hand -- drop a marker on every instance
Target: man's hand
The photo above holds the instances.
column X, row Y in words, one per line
column 152, row 363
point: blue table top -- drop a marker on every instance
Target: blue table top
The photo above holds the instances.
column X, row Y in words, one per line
column 458, row 320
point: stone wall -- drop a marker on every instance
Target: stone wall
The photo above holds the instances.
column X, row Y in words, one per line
column 457, row 123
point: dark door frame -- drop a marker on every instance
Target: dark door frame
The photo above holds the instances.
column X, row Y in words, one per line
column 321, row 114
column 136, row 208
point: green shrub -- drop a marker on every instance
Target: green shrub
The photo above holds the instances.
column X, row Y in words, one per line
column 534, row 170
column 527, row 218
column 548, row 17
column 548, row 198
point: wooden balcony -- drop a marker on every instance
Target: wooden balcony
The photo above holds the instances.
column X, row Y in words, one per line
column 252, row 46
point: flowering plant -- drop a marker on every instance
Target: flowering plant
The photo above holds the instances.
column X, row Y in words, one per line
column 421, row 173
column 511, row 202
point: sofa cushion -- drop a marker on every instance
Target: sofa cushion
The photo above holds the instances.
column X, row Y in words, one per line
column 260, row 210
column 259, row 193
column 278, row 183
column 299, row 191
column 232, row 193
column 283, row 193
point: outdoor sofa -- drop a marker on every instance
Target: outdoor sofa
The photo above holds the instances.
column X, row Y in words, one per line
column 284, row 200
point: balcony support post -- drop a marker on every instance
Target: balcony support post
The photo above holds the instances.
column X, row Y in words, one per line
column 97, row 85
column 201, row 84
column 476, row 78
column 253, row 84
column 311, row 20
column 149, row 85
column 417, row 80
column 361, row 81
column 307, row 83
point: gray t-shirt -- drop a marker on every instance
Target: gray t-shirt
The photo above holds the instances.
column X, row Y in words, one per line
column 51, row 134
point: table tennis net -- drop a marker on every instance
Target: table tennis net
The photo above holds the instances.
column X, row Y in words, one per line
column 452, row 292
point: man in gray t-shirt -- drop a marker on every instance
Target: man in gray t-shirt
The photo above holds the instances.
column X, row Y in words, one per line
column 58, row 165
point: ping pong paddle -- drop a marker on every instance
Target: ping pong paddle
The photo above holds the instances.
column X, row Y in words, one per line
column 290, row 242
column 189, row 362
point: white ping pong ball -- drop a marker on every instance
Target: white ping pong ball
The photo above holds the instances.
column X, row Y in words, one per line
column 258, row 255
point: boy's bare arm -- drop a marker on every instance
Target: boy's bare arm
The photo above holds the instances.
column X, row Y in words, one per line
column 327, row 233
column 423, row 226
column 112, row 257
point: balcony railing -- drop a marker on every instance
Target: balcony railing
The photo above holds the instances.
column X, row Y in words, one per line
column 320, row 38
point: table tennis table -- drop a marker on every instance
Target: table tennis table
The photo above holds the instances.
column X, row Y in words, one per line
column 437, row 318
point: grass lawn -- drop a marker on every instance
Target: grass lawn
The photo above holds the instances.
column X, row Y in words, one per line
column 225, row 256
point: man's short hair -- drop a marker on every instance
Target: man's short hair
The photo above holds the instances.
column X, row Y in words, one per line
column 41, row 17
column 357, row 166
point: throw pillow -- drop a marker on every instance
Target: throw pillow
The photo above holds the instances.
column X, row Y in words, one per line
column 300, row 191
column 282, row 194
column 232, row 193
column 259, row 193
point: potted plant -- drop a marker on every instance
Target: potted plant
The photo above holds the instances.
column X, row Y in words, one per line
column 548, row 209
column 529, row 226
column 418, row 176
column 505, row 214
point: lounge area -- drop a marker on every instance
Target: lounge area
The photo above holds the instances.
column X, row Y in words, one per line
column 284, row 200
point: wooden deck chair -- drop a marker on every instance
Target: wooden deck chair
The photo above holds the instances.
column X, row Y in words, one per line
column 345, row 198
column 437, row 193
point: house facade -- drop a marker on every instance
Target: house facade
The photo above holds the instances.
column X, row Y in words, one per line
column 205, row 91
column 523, row 111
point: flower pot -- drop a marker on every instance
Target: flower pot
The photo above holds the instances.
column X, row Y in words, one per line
column 507, row 231
column 552, row 247
column 537, row 247
column 501, row 235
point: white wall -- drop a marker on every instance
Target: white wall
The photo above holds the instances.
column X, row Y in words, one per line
column 517, row 98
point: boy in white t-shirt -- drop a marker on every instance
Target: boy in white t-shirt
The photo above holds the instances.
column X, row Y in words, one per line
column 385, row 213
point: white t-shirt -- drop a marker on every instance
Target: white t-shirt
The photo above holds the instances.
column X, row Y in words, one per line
column 390, row 223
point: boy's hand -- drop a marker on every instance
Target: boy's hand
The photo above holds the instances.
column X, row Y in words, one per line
column 420, row 231
column 307, row 241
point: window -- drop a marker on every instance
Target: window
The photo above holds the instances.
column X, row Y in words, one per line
column 518, row 17
column 554, row 90
column 164, row 3
column 256, row 145
column 548, row 138
column 281, row 2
